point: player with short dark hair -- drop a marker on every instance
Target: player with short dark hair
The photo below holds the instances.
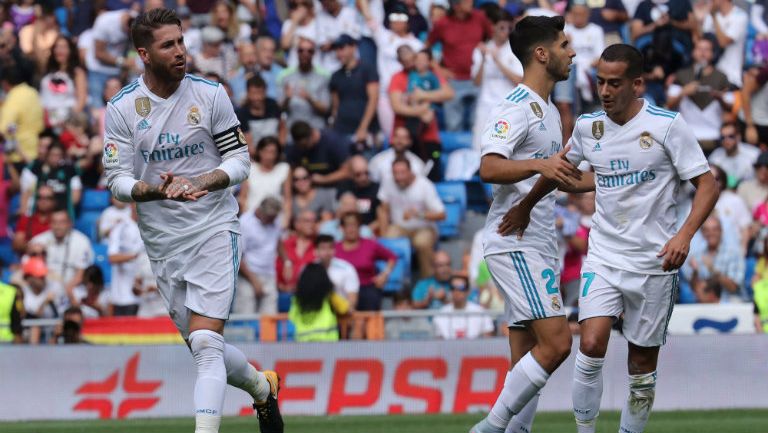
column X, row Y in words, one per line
column 174, row 145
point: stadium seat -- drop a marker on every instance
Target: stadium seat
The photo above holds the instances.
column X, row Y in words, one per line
column 283, row 302
column 478, row 198
column 449, row 227
column 453, row 192
column 95, row 200
column 400, row 275
column 286, row 330
column 87, row 223
column 101, row 259
column 451, row 141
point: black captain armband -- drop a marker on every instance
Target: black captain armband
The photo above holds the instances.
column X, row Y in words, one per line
column 229, row 140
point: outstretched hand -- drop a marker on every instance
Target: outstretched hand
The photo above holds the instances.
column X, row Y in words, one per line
column 515, row 221
column 674, row 252
column 557, row 168
column 179, row 188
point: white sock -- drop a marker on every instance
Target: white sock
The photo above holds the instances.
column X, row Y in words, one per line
column 587, row 391
column 241, row 374
column 642, row 391
column 208, row 351
column 522, row 422
column 521, row 384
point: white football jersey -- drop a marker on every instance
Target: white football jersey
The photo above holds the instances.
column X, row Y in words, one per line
column 638, row 169
column 192, row 132
column 522, row 127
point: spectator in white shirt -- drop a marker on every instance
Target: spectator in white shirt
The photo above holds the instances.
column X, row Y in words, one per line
column 410, row 207
column 257, row 285
column 125, row 249
column 729, row 23
column 334, row 20
column 380, row 166
column 111, row 216
column 588, row 40
column 68, row 252
column 110, row 44
column 734, row 156
column 342, row 274
column 456, row 326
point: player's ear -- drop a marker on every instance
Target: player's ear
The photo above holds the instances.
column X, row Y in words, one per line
column 143, row 54
column 638, row 84
column 541, row 54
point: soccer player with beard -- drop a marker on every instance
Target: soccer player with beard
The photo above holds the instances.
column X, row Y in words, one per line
column 173, row 144
column 521, row 143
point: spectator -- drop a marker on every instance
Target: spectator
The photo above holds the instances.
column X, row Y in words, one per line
column 43, row 298
column 421, row 77
column 434, row 292
column 334, row 20
column 576, row 247
column 98, row 114
column 322, row 152
column 388, row 42
column 735, row 217
column 91, row 296
column 588, row 41
column 495, row 69
column 68, row 252
column 301, row 25
column 347, row 203
column 37, row 38
column 261, row 238
column 406, row 328
column 21, row 119
column 216, row 56
column 754, row 106
column 453, row 326
column 411, row 204
column 248, row 67
column 10, row 298
column 260, row 115
column 760, row 288
column 460, row 32
column 342, row 274
column 125, row 249
column 193, row 40
column 305, row 89
column 489, row 296
column 9, row 186
column 754, row 191
column 224, row 18
column 729, row 23
column 269, row 177
column 268, row 69
column 415, row 106
column 699, row 92
column 22, row 14
column 70, row 331
column 736, row 158
column 56, row 172
column 38, row 222
column 354, row 95
column 380, row 167
column 151, row 303
column 64, row 88
column 363, row 254
column 718, row 264
column 112, row 216
column 296, row 251
column 110, row 45
column 365, row 191
column 306, row 196
column 610, row 15
column 417, row 24
column 314, row 308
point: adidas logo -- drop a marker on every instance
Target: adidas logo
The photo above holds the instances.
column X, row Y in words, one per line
column 144, row 124
column 596, row 148
column 542, row 127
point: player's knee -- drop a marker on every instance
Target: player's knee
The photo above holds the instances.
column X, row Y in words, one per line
column 206, row 346
column 592, row 346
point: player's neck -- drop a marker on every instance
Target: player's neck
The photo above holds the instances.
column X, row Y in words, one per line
column 540, row 83
column 161, row 88
column 629, row 114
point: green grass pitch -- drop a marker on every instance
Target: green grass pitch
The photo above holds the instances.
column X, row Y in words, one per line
column 721, row 421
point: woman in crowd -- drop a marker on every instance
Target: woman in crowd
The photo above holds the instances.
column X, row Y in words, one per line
column 300, row 24
column 315, row 306
column 307, row 197
column 224, row 17
column 64, row 87
column 269, row 177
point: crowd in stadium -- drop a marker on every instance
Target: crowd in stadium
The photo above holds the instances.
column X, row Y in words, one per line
column 362, row 120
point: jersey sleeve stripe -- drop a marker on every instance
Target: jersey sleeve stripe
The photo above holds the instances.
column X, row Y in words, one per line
column 521, row 97
column 514, row 94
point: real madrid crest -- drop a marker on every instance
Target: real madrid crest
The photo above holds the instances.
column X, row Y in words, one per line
column 143, row 106
column 536, row 108
column 646, row 141
column 240, row 135
column 556, row 303
column 598, row 129
column 193, row 117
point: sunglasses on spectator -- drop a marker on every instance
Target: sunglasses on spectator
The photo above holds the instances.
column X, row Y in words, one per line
column 730, row 136
column 307, row 50
column 299, row 178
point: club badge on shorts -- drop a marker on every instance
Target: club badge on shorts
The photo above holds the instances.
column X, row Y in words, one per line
column 556, row 303
column 193, row 117
column 143, row 107
column 598, row 129
column 645, row 140
column 536, row 108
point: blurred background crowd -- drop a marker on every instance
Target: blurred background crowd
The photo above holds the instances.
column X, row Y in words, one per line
column 362, row 119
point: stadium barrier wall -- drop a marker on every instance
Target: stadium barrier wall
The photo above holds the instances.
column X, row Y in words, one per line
column 68, row 382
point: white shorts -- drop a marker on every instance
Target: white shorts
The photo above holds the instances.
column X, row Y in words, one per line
column 529, row 283
column 646, row 301
column 202, row 279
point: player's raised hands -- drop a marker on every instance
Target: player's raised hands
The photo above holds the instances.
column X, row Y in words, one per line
column 557, row 168
column 179, row 188
column 515, row 221
column 675, row 252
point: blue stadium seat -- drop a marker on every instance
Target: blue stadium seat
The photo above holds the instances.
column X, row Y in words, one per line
column 101, row 259
column 87, row 223
column 749, row 273
column 451, row 141
column 5, row 275
column 283, row 302
column 95, row 200
column 453, row 192
column 286, row 330
column 449, row 227
column 400, row 275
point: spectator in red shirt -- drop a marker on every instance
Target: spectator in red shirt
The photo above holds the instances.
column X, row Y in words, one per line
column 9, row 185
column 363, row 254
column 30, row 226
column 460, row 33
column 414, row 109
column 296, row 251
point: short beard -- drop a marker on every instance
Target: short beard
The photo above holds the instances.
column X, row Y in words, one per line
column 165, row 74
column 554, row 72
